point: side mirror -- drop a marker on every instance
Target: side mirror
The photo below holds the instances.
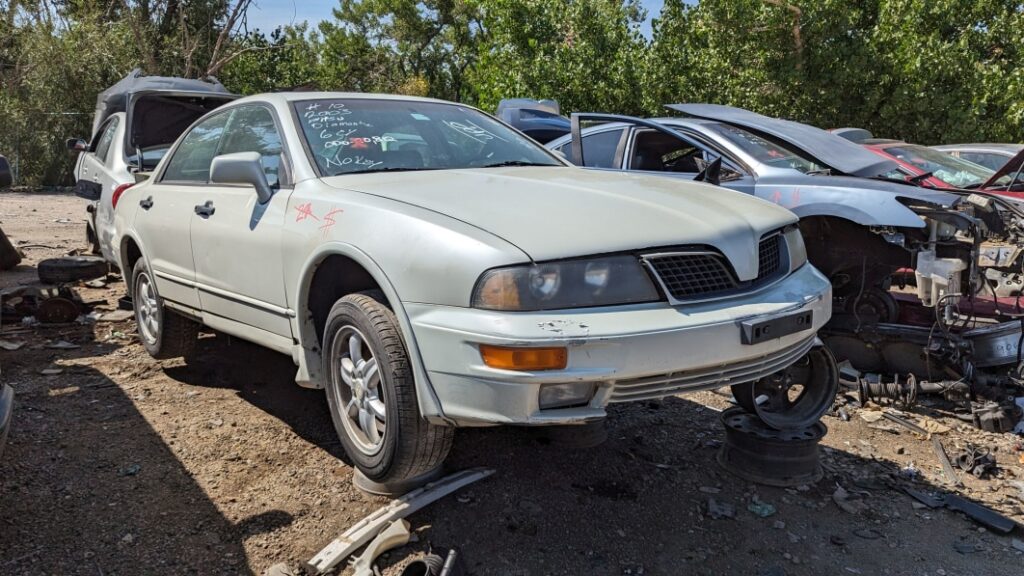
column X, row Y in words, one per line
column 77, row 145
column 6, row 178
column 241, row 168
column 712, row 173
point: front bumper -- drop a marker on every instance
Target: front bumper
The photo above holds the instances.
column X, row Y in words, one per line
column 628, row 352
column 6, row 409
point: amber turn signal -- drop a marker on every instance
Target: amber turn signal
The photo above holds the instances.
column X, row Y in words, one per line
column 508, row 358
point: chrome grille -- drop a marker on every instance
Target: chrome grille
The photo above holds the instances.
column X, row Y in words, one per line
column 703, row 274
column 748, row 370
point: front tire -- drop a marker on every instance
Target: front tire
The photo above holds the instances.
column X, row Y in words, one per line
column 164, row 333
column 372, row 394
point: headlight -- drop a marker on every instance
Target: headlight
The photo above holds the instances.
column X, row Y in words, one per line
column 567, row 284
column 795, row 244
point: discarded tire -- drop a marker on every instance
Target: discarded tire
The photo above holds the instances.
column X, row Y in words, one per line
column 763, row 455
column 72, row 269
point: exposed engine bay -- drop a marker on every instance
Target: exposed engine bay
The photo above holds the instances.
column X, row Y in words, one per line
column 935, row 309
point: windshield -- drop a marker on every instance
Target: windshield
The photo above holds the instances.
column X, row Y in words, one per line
column 950, row 169
column 368, row 135
column 765, row 151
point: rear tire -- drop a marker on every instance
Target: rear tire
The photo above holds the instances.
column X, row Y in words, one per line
column 372, row 394
column 164, row 333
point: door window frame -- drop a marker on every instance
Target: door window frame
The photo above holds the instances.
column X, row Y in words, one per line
column 694, row 140
column 112, row 123
column 285, row 181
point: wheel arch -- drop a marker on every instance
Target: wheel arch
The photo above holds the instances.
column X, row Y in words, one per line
column 131, row 252
column 318, row 289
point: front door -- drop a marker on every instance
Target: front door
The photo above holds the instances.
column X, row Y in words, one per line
column 166, row 211
column 236, row 241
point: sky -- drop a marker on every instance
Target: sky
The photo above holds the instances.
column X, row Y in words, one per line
column 269, row 14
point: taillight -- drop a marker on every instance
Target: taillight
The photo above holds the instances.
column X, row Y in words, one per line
column 117, row 194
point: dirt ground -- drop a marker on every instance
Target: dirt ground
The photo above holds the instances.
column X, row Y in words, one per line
column 120, row 464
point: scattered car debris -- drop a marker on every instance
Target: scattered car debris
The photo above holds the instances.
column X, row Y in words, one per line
column 849, row 502
column 395, row 535
column 755, row 452
column 718, row 510
column 51, row 371
column 761, row 509
column 363, row 531
column 10, row 345
column 436, row 563
column 46, row 304
column 947, row 468
column 62, row 345
column 980, row 514
column 976, row 460
column 71, row 269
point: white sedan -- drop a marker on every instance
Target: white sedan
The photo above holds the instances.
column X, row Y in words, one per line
column 430, row 268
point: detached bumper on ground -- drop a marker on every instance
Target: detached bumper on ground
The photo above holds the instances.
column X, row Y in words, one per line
column 615, row 354
column 6, row 409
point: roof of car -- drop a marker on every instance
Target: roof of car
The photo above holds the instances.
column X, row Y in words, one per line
column 996, row 146
column 877, row 141
column 828, row 149
column 285, row 97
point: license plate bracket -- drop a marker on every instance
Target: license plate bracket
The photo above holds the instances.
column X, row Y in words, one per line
column 757, row 331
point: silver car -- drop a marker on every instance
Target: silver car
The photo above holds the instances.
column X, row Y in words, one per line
column 430, row 268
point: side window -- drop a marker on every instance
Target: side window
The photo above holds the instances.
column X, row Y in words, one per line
column 252, row 129
column 993, row 161
column 191, row 160
column 598, row 149
column 656, row 151
column 105, row 139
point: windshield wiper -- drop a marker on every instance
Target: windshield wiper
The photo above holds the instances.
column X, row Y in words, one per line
column 917, row 180
column 822, row 172
column 515, row 163
column 386, row 169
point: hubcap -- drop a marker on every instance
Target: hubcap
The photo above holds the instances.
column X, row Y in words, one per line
column 357, row 389
column 147, row 309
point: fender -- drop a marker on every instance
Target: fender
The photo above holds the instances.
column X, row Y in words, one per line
column 854, row 214
column 309, row 358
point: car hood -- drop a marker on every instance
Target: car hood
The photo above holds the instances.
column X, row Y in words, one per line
column 825, row 148
column 562, row 212
column 1012, row 166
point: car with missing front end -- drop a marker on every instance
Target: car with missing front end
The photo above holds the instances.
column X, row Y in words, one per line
column 432, row 268
column 927, row 283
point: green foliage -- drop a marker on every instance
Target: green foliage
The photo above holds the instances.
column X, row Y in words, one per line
column 923, row 70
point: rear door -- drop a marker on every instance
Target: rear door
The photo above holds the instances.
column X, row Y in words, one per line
column 164, row 218
column 236, row 241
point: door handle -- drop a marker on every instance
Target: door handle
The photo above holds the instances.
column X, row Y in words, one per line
column 205, row 210
column 146, row 203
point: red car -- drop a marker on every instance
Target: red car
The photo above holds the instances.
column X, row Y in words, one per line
column 935, row 169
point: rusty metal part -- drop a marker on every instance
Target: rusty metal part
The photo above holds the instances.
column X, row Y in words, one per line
column 905, row 423
column 976, row 460
column 57, row 310
column 763, row 455
column 900, row 394
column 947, row 467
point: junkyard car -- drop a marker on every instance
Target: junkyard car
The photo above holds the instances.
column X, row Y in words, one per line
column 431, row 268
column 136, row 121
column 874, row 234
column 991, row 156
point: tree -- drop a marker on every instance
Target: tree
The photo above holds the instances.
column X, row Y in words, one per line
column 587, row 54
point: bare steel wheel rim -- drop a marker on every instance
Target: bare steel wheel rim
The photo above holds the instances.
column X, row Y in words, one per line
column 147, row 309
column 358, row 390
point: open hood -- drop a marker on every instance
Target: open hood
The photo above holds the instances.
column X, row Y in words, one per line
column 830, row 150
column 1011, row 167
column 158, row 117
column 117, row 98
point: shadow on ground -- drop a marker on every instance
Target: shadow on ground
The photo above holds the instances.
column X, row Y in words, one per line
column 88, row 487
column 637, row 503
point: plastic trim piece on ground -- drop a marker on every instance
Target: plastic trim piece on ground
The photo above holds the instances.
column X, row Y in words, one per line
column 362, row 532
